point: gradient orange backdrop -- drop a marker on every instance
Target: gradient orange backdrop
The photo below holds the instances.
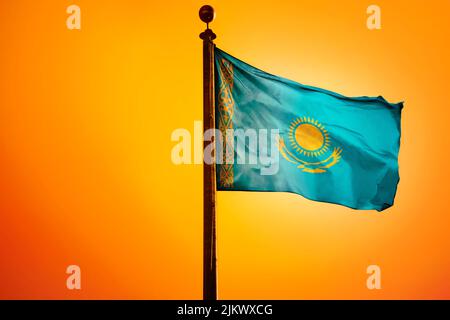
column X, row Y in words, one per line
column 86, row 176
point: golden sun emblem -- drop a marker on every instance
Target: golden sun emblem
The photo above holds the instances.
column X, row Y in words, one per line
column 309, row 139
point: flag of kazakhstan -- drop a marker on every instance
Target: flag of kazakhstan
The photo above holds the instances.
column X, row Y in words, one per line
column 325, row 147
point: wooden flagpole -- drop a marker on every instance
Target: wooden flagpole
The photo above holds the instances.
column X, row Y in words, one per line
column 207, row 14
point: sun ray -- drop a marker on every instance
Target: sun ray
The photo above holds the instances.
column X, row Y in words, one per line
column 308, row 137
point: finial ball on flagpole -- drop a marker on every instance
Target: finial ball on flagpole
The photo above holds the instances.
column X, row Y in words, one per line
column 207, row 14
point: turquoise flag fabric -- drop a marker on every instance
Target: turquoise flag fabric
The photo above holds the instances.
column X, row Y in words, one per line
column 279, row 135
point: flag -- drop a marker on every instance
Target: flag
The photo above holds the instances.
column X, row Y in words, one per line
column 278, row 135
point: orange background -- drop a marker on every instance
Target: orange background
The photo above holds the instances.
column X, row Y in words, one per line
column 86, row 176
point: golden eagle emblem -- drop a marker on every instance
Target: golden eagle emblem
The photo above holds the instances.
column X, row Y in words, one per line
column 309, row 139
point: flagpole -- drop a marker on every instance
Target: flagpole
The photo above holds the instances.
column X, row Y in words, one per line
column 207, row 14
